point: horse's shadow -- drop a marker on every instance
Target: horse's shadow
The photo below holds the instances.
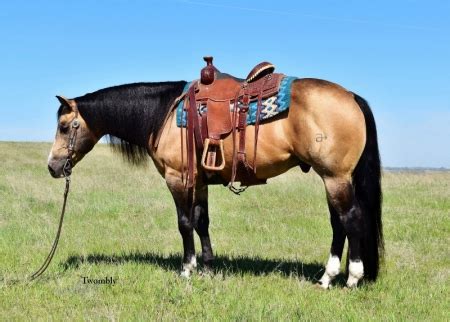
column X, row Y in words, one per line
column 223, row 264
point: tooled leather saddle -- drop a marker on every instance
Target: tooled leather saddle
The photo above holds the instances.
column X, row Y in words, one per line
column 217, row 106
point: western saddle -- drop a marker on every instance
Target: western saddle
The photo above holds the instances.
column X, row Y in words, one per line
column 217, row 105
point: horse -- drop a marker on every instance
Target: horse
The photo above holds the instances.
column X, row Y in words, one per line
column 326, row 128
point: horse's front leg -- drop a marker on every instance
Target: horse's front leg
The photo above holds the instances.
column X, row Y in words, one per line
column 201, row 224
column 184, row 199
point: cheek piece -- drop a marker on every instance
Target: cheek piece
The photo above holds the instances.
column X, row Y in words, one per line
column 67, row 169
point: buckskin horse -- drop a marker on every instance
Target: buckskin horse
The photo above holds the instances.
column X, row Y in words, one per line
column 326, row 127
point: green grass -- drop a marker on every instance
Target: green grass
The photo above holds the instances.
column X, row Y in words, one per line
column 271, row 245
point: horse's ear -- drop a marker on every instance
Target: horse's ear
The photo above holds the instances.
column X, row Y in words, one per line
column 64, row 101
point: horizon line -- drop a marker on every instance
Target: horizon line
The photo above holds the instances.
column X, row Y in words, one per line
column 386, row 168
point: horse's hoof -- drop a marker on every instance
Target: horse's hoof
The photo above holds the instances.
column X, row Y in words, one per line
column 319, row 286
column 352, row 282
column 325, row 281
column 188, row 268
column 206, row 272
column 355, row 273
column 322, row 285
column 185, row 274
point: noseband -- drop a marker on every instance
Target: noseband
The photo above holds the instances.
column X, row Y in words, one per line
column 67, row 171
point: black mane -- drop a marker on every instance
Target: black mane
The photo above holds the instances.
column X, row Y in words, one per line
column 129, row 114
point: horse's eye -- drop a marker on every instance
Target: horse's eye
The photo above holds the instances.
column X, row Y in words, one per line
column 63, row 128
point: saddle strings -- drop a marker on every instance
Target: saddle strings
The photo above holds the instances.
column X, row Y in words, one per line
column 183, row 117
column 234, row 165
column 233, row 189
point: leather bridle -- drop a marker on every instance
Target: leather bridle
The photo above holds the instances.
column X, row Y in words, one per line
column 67, row 171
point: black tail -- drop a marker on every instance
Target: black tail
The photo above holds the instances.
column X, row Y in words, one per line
column 367, row 183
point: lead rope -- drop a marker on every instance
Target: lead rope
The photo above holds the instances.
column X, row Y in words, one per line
column 49, row 258
column 66, row 172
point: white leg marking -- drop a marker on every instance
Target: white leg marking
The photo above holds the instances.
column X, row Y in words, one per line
column 355, row 273
column 331, row 271
column 188, row 268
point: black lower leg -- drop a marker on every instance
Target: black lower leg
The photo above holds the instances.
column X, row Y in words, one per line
column 186, row 230
column 346, row 218
column 337, row 245
column 201, row 225
column 352, row 223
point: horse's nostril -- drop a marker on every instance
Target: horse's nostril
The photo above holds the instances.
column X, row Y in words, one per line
column 50, row 169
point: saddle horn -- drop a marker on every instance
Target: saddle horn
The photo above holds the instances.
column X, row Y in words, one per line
column 208, row 73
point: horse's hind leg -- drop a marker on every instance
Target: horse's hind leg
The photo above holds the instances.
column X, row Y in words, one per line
column 341, row 198
column 333, row 266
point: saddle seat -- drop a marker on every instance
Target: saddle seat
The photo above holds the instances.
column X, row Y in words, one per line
column 220, row 104
column 211, row 73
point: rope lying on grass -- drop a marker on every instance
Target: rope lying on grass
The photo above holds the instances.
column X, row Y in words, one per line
column 49, row 258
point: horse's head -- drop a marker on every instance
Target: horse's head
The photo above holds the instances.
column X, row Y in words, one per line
column 73, row 139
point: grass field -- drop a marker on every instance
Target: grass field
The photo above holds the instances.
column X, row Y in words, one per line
column 271, row 244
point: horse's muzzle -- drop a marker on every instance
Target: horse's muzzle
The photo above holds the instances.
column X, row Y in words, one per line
column 52, row 172
column 60, row 168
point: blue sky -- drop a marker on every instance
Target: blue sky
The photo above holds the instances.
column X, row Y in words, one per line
column 396, row 54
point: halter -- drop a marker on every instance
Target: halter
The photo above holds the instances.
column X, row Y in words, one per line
column 70, row 148
column 67, row 171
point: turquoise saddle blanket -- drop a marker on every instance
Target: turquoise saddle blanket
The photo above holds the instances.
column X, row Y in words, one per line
column 271, row 106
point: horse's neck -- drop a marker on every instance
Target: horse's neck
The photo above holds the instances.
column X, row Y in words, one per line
column 127, row 126
column 131, row 113
column 124, row 123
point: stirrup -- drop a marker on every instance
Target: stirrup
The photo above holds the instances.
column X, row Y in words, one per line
column 237, row 190
column 209, row 158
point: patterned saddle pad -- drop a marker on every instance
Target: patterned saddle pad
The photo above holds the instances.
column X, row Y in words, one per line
column 271, row 106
